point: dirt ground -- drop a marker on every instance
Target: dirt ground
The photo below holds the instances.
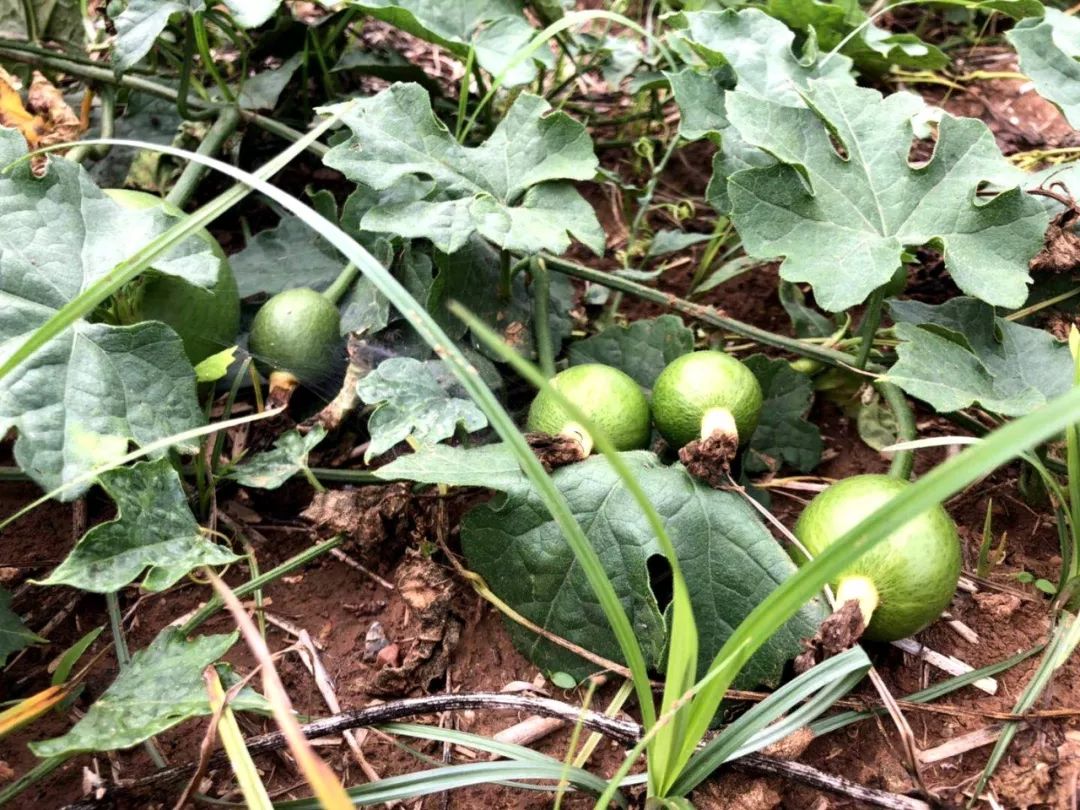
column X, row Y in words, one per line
column 447, row 639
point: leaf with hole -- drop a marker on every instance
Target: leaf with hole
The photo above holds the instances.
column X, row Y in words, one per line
column 161, row 687
column 410, row 403
column 641, row 349
column 514, row 189
column 844, row 195
column 961, row 353
column 730, row 561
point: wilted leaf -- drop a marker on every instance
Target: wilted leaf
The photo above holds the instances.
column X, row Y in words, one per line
column 860, row 211
column 85, row 395
column 641, row 349
column 14, row 635
column 161, row 687
column 513, row 189
column 412, row 403
column 497, row 29
column 154, row 531
column 730, row 561
column 272, row 468
column 783, row 434
column 1049, row 50
column 961, row 354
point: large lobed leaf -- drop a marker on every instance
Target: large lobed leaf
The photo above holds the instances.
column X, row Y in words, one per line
column 161, row 687
column 730, row 561
column 961, row 354
column 154, row 531
column 496, row 29
column 513, row 189
column 1049, row 50
column 85, row 395
column 844, row 218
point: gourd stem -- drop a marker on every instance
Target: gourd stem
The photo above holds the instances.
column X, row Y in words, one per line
column 578, row 434
column 904, row 460
column 225, row 125
column 719, row 420
column 861, row 590
column 342, row 283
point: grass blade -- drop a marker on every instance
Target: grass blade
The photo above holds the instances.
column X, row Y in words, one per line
column 232, row 740
column 830, row 680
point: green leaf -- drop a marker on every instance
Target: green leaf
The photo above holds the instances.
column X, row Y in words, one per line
column 860, row 212
column 730, row 561
column 1049, row 51
column 216, row 366
column 493, row 466
column 753, row 52
column 57, row 20
column 262, row 91
column 283, row 257
column 783, row 434
column 474, row 275
column 138, row 27
column 86, row 394
column 14, row 635
column 142, row 21
column 154, row 531
column 161, row 687
column 873, row 49
column 641, row 349
column 66, row 662
column 806, row 320
column 412, row 403
column 272, row 468
column 513, row 189
column 961, row 354
column 497, row 29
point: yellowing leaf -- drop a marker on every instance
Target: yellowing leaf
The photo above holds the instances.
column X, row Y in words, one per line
column 12, row 112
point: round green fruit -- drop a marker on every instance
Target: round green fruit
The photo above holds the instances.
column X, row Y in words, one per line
column 610, row 399
column 207, row 319
column 701, row 392
column 904, row 582
column 297, row 331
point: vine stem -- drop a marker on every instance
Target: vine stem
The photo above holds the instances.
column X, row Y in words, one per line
column 869, row 326
column 225, row 125
column 541, row 296
column 622, row 731
column 27, row 55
